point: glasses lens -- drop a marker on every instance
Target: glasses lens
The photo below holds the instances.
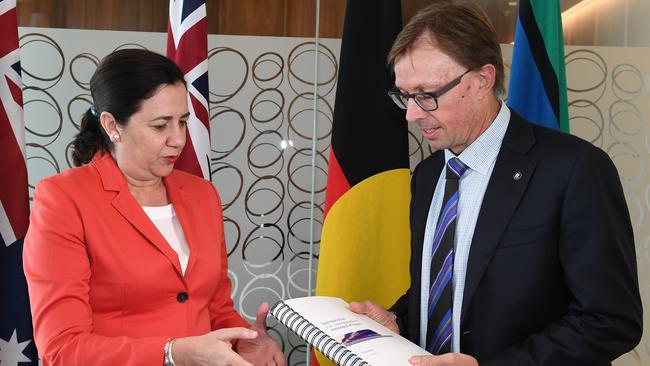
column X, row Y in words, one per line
column 399, row 99
column 426, row 102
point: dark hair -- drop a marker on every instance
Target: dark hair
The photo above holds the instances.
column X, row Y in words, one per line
column 462, row 31
column 122, row 81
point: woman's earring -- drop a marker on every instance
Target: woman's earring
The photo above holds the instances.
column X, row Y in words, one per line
column 115, row 138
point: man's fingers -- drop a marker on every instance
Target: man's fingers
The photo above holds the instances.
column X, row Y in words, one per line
column 448, row 359
column 372, row 310
column 358, row 307
column 424, row 361
column 366, row 307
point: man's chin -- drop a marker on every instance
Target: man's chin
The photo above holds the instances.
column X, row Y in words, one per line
column 436, row 145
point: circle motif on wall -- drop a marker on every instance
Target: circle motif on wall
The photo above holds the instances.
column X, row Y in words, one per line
column 225, row 85
column 267, row 70
column 38, row 46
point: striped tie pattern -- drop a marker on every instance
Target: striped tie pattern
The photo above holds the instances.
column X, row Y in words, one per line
column 442, row 262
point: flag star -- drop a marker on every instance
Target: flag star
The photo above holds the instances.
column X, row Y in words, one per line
column 11, row 352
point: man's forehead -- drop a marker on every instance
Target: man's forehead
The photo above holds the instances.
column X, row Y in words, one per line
column 425, row 49
column 424, row 66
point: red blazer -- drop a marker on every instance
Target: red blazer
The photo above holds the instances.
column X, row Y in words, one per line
column 105, row 287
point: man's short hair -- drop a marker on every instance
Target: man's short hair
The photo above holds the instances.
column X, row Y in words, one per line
column 462, row 31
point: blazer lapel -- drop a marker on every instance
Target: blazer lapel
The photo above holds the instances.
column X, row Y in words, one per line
column 182, row 199
column 128, row 207
column 510, row 177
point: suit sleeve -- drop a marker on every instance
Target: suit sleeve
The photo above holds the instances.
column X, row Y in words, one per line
column 57, row 268
column 400, row 309
column 222, row 312
column 597, row 255
column 401, row 306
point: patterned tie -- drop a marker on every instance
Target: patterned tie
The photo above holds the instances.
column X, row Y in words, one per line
column 442, row 261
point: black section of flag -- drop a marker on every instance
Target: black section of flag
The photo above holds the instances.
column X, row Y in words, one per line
column 369, row 133
column 538, row 49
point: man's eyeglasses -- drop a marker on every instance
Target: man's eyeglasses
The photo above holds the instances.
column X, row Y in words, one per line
column 428, row 101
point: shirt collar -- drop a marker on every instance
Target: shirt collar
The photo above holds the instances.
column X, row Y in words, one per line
column 480, row 155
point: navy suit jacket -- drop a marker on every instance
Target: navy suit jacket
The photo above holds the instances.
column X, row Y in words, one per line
column 551, row 277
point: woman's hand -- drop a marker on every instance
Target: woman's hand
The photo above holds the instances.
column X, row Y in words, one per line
column 211, row 349
column 262, row 350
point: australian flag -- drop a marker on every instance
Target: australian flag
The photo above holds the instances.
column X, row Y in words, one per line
column 17, row 346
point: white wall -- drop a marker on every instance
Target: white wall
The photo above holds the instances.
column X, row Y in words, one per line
column 608, row 23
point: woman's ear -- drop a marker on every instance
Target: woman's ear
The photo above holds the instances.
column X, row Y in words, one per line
column 109, row 124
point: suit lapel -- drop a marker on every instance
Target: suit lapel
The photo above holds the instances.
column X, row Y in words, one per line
column 508, row 182
column 425, row 179
column 128, row 207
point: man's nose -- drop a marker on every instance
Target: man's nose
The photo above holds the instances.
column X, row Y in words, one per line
column 413, row 111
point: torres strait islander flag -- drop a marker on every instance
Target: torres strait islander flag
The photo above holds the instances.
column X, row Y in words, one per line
column 187, row 45
column 365, row 249
column 537, row 80
column 16, row 336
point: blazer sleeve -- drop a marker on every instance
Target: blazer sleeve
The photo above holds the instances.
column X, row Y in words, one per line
column 597, row 255
column 222, row 312
column 57, row 268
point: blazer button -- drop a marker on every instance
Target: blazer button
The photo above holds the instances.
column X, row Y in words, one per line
column 182, row 297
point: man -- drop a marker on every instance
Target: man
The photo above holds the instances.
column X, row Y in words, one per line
column 544, row 268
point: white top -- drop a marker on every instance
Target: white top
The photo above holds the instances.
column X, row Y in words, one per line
column 165, row 219
column 480, row 158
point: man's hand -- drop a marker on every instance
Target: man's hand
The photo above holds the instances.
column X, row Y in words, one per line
column 377, row 313
column 448, row 359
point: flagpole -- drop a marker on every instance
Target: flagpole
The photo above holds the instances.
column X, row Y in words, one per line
column 313, row 162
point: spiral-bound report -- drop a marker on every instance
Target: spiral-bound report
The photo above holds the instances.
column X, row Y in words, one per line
column 347, row 338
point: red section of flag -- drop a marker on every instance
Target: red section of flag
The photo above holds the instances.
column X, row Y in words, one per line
column 13, row 192
column 9, row 29
column 188, row 51
column 187, row 45
column 314, row 360
column 337, row 184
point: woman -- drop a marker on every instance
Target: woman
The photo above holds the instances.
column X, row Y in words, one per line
column 125, row 257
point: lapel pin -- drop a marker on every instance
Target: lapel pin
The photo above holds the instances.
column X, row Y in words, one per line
column 517, row 176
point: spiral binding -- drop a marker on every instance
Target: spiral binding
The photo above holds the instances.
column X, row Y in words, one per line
column 314, row 336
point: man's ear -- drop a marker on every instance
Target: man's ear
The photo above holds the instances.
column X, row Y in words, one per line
column 487, row 77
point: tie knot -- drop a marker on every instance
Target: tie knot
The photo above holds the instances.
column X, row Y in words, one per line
column 455, row 166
